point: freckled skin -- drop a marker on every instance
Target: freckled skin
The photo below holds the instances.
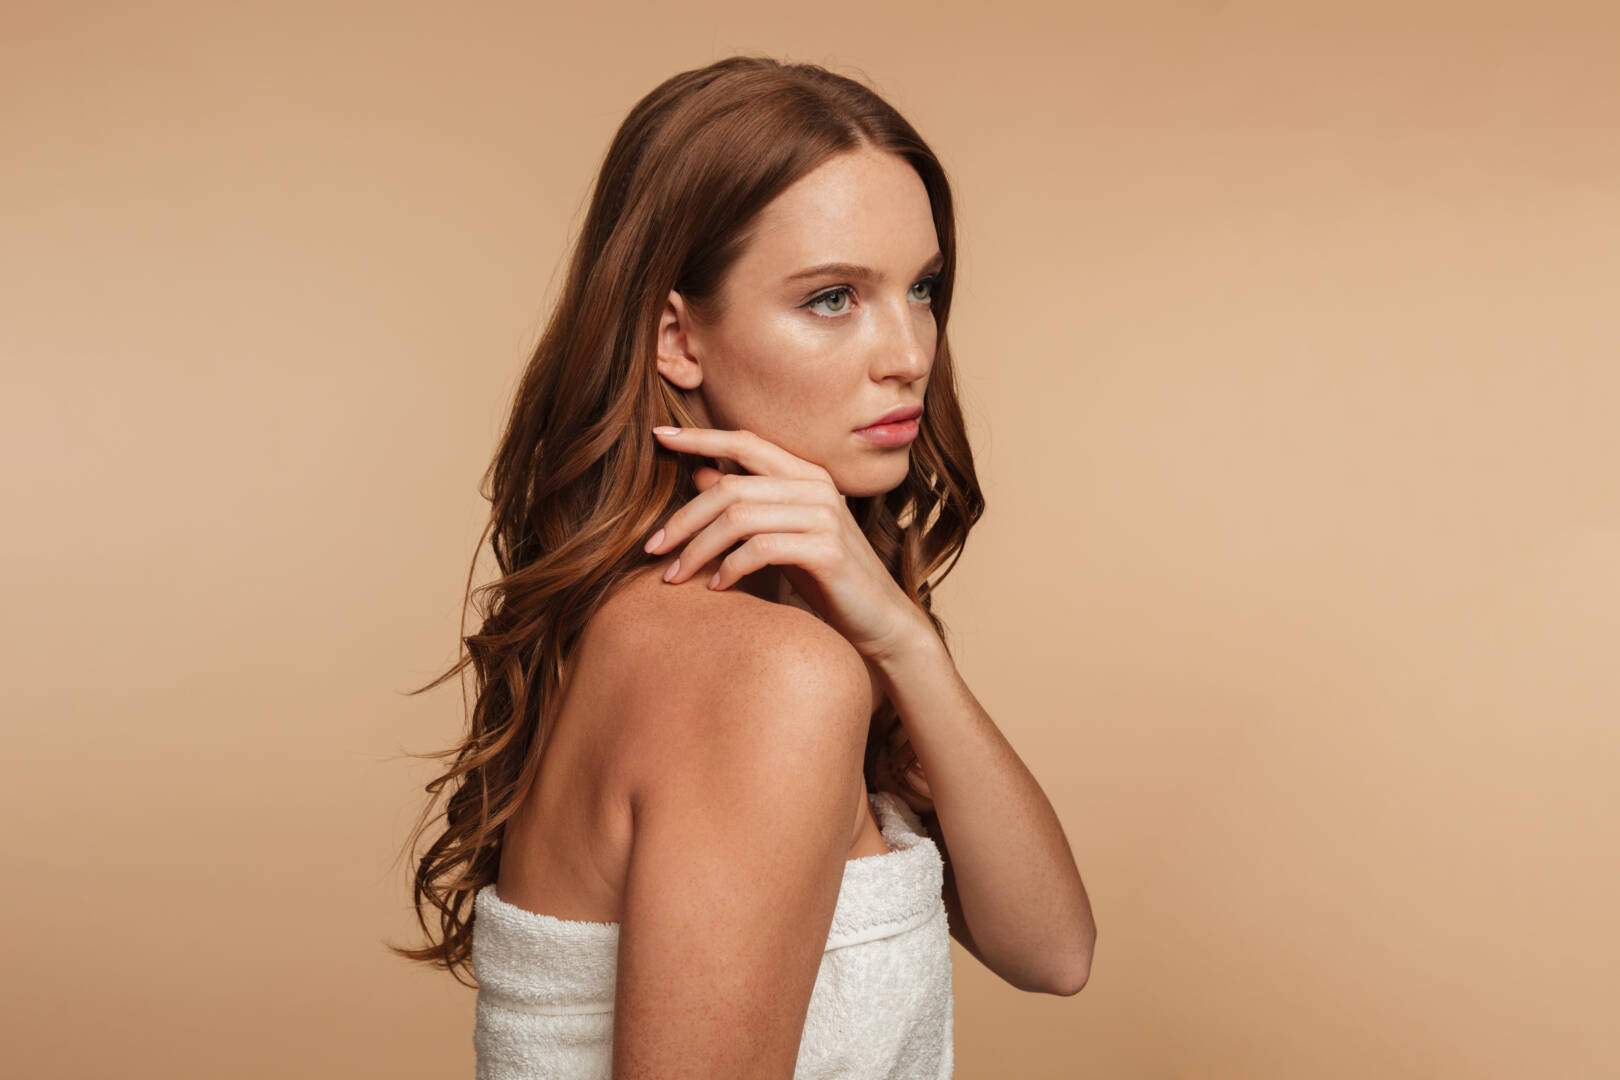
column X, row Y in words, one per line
column 679, row 691
column 806, row 377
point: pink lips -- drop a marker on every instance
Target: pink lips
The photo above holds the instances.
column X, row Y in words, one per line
column 896, row 414
column 896, row 427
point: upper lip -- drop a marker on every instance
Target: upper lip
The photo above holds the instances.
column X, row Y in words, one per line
column 899, row 412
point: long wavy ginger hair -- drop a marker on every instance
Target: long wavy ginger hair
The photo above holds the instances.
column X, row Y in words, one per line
column 579, row 481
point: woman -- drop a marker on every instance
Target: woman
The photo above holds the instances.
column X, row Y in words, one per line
column 719, row 744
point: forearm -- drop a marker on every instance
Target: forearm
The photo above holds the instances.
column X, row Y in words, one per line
column 1017, row 883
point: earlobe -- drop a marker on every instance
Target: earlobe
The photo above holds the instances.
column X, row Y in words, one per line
column 677, row 360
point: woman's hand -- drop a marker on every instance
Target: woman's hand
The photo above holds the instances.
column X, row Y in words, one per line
column 792, row 516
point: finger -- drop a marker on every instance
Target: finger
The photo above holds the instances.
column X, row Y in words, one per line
column 705, row 476
column 816, row 552
column 729, row 488
column 755, row 453
column 738, row 522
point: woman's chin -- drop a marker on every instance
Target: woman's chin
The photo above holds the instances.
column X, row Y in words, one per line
column 872, row 477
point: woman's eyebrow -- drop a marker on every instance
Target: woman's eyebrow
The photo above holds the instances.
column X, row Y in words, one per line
column 855, row 271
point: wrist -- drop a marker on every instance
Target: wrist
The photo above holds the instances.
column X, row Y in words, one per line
column 914, row 642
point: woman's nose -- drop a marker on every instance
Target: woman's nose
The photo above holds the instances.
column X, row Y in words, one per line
column 907, row 348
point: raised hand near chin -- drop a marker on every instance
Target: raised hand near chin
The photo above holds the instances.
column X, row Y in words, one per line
column 784, row 511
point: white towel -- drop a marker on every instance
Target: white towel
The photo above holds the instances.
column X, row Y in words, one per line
column 882, row 1007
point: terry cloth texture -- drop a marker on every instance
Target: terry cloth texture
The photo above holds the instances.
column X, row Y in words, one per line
column 882, row 1006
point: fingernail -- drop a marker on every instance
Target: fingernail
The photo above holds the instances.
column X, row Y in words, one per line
column 665, row 430
column 714, row 579
column 656, row 537
column 674, row 568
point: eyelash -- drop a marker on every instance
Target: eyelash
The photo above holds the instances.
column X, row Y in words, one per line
column 932, row 281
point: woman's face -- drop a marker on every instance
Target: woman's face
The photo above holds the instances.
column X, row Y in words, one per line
column 807, row 359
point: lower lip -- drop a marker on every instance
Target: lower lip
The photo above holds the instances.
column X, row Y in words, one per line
column 896, row 434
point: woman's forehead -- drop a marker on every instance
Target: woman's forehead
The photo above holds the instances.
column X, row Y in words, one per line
column 868, row 209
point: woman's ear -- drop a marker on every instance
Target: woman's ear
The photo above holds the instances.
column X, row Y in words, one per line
column 677, row 351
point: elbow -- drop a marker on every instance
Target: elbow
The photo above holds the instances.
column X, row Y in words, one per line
column 1078, row 972
column 1075, row 983
column 1072, row 986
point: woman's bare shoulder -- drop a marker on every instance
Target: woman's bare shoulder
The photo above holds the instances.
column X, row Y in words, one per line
column 665, row 636
column 686, row 661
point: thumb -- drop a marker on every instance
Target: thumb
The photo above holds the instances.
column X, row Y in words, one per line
column 705, row 477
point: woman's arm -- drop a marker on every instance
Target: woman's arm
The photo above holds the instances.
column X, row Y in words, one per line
column 1018, row 887
column 739, row 789
column 1013, row 881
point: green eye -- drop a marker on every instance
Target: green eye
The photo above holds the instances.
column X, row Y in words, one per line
column 838, row 299
column 840, row 292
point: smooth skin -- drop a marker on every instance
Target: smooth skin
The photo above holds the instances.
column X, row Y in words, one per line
column 793, row 369
column 740, row 780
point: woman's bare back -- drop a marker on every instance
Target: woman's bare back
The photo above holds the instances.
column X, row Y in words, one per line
column 566, row 850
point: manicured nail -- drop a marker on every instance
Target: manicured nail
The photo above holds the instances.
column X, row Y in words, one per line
column 666, row 430
column 715, row 579
column 656, row 537
column 674, row 568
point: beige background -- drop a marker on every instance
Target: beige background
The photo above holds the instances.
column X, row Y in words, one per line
column 1289, row 338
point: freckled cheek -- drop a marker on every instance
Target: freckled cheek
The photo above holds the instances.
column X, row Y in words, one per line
column 776, row 376
column 794, row 332
column 786, row 353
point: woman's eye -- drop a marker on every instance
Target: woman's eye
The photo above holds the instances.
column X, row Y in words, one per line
column 844, row 293
column 841, row 295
